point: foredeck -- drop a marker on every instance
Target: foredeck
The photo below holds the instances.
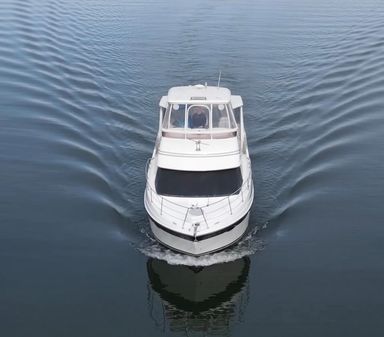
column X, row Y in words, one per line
column 204, row 155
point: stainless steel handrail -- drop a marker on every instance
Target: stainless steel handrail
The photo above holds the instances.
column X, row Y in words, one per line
column 245, row 182
column 184, row 211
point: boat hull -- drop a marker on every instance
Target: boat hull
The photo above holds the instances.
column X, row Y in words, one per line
column 201, row 245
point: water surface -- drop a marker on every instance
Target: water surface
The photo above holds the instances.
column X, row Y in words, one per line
column 80, row 83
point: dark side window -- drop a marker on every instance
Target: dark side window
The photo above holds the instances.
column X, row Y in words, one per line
column 198, row 184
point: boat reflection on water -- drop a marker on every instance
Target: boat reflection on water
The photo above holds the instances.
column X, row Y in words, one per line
column 198, row 299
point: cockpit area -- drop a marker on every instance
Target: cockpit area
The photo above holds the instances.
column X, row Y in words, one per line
column 191, row 120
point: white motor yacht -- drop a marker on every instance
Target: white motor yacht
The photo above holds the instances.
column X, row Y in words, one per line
column 199, row 187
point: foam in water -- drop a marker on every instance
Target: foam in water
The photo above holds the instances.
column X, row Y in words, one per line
column 247, row 246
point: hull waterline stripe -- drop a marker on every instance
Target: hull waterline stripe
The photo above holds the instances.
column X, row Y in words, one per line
column 200, row 237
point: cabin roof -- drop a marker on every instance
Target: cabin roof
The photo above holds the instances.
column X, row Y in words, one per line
column 199, row 93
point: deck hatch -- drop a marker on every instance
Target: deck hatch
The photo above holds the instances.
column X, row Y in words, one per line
column 198, row 184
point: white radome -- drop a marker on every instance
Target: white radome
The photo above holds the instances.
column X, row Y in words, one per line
column 199, row 187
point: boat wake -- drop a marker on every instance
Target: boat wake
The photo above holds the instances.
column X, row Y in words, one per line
column 247, row 246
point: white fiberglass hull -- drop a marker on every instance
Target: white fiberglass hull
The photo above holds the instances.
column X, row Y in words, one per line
column 199, row 179
column 201, row 245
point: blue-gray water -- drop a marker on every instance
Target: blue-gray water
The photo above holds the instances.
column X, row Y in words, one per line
column 79, row 87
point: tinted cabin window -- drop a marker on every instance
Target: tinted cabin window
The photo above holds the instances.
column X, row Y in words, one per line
column 198, row 184
column 236, row 113
column 177, row 118
column 219, row 116
column 198, row 117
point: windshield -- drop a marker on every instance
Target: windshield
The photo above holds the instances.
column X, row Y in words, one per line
column 198, row 116
column 198, row 184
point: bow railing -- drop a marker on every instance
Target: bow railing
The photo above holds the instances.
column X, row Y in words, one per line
column 202, row 214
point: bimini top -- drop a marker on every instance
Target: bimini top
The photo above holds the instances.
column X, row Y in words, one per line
column 199, row 93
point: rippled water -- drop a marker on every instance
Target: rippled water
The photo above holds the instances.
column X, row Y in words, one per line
column 79, row 88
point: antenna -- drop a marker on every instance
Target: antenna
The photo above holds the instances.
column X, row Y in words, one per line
column 218, row 82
